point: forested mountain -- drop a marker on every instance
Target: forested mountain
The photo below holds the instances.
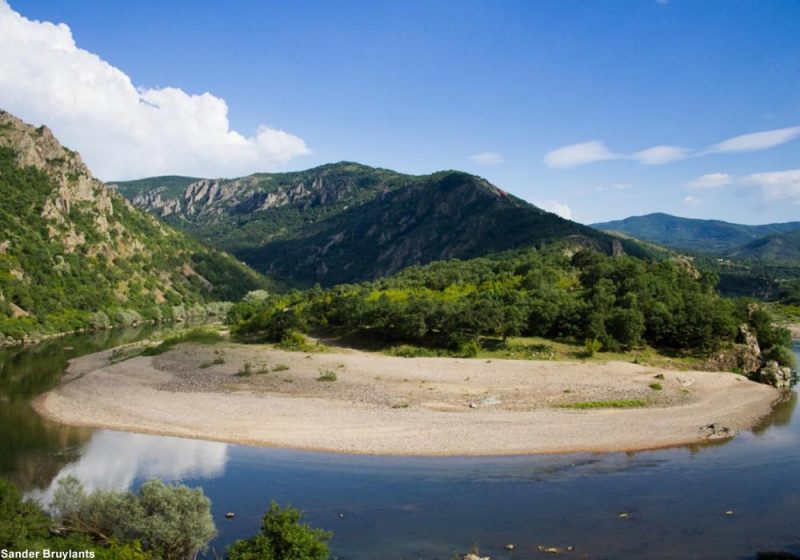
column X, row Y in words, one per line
column 347, row 222
column 73, row 252
column 705, row 236
column 777, row 247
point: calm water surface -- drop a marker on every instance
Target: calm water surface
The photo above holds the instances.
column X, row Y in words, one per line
column 393, row 508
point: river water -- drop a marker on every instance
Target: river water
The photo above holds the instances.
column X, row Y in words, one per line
column 729, row 500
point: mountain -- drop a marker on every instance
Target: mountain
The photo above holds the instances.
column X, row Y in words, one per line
column 348, row 222
column 705, row 236
column 70, row 247
column 775, row 247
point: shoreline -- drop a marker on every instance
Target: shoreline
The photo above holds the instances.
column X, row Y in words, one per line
column 382, row 405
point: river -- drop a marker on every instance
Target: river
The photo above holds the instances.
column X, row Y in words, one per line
column 729, row 500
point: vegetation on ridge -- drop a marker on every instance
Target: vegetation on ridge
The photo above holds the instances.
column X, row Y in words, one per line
column 75, row 255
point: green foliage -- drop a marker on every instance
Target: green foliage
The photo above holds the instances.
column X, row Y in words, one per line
column 283, row 536
column 591, row 346
column 174, row 522
column 656, row 386
column 327, row 375
column 22, row 523
column 119, row 268
column 197, row 336
column 617, row 303
column 781, row 354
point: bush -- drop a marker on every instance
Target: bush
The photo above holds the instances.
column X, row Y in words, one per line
column 782, row 355
column 591, row 346
column 21, row 523
column 174, row 522
column 283, row 536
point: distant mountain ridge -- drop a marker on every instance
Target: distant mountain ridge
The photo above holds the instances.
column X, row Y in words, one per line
column 711, row 236
column 72, row 251
column 348, row 222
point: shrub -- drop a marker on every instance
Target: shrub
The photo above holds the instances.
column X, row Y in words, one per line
column 173, row 522
column 283, row 536
column 327, row 375
column 591, row 346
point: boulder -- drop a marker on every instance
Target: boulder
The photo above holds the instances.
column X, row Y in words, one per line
column 775, row 375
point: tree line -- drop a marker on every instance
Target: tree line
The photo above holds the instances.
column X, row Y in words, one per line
column 616, row 302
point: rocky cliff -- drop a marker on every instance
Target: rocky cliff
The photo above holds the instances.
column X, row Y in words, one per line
column 347, row 222
column 71, row 249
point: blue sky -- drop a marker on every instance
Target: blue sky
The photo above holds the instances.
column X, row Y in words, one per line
column 487, row 87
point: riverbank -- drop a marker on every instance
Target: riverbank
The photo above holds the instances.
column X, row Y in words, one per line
column 357, row 402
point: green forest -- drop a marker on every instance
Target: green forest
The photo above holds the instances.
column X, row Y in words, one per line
column 608, row 303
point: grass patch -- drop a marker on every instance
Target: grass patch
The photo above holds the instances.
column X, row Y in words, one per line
column 246, row 371
column 656, row 386
column 327, row 375
column 400, row 405
column 215, row 362
column 623, row 403
column 280, row 367
column 198, row 336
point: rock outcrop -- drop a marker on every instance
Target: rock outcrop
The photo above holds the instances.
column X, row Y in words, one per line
column 70, row 247
column 348, row 222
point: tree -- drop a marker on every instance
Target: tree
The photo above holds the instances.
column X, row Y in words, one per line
column 21, row 523
column 172, row 522
column 283, row 536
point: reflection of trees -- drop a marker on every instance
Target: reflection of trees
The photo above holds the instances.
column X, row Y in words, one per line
column 32, row 450
column 781, row 413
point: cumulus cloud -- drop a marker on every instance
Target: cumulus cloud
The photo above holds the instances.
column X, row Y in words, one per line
column 487, row 158
column 556, row 207
column 124, row 131
column 711, row 181
column 659, row 155
column 756, row 141
column 691, row 200
column 579, row 154
column 777, row 185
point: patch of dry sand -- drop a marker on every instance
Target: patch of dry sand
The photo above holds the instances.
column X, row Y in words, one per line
column 401, row 406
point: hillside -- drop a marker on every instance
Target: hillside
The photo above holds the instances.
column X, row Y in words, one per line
column 775, row 247
column 347, row 222
column 704, row 236
column 70, row 248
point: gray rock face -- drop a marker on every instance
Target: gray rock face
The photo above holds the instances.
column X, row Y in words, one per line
column 775, row 375
column 744, row 357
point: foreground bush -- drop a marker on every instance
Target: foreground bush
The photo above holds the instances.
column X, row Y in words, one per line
column 283, row 536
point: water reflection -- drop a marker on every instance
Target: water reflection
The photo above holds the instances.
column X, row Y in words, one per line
column 114, row 460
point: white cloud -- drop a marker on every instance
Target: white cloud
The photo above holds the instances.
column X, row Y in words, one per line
column 691, row 201
column 777, row 185
column 555, row 207
column 659, row 155
column 756, row 141
column 590, row 152
column 121, row 130
column 711, row 181
column 579, row 154
column 487, row 158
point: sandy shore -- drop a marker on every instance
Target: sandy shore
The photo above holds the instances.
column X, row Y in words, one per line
column 401, row 406
column 794, row 328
